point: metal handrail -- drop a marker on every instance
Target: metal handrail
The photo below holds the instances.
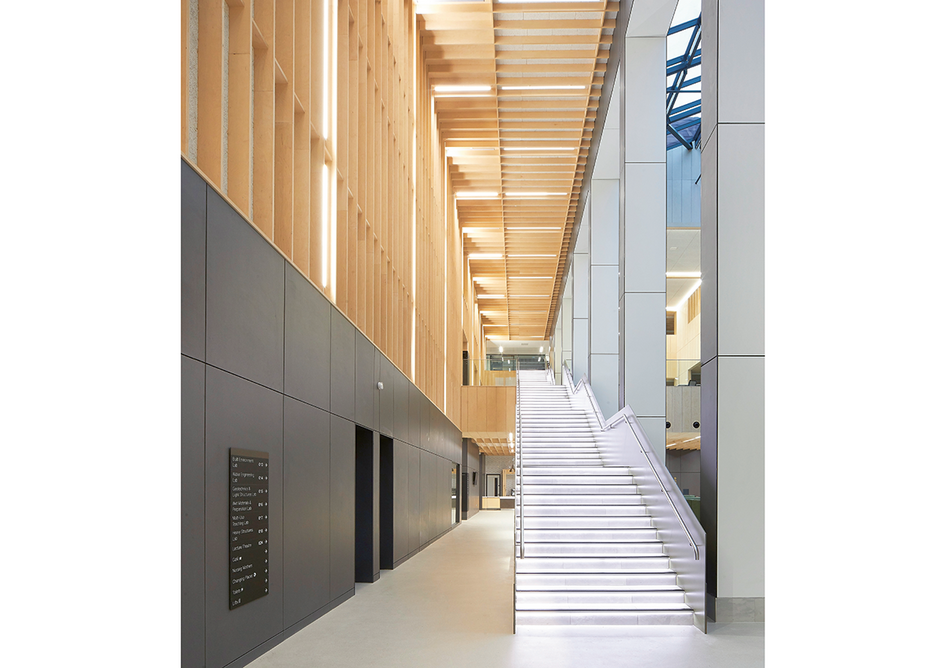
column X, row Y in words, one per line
column 519, row 467
column 618, row 417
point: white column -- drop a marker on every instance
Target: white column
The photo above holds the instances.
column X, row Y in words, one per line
column 643, row 223
column 604, row 264
column 733, row 307
column 581, row 297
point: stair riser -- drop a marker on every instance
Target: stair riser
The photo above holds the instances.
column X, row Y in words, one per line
column 537, row 479
column 590, row 549
column 592, row 490
column 538, row 618
column 580, row 523
column 588, row 565
column 559, row 600
column 606, row 581
column 637, row 510
column 581, row 499
column 532, row 535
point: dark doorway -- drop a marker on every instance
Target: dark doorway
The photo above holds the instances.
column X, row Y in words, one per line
column 386, row 493
column 493, row 484
column 367, row 568
column 455, row 513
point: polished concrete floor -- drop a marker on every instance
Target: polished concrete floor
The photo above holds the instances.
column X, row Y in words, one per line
column 450, row 606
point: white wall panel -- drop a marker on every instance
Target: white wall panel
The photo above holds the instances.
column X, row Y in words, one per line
column 708, row 71
column 708, row 252
column 645, row 227
column 741, row 62
column 644, row 91
column 644, row 352
column 741, row 240
column 580, row 347
column 650, row 17
column 581, row 285
column 604, row 379
column 604, row 310
column 741, row 478
column 604, row 220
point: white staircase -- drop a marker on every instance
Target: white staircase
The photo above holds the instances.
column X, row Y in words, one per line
column 591, row 550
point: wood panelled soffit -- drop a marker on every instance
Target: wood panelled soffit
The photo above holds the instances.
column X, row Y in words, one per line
column 517, row 141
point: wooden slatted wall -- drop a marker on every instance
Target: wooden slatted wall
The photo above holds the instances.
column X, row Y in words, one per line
column 314, row 118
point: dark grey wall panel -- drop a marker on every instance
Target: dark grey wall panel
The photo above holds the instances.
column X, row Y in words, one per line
column 365, row 389
column 386, row 397
column 401, row 500
column 343, row 366
column 194, row 193
column 244, row 298
column 709, row 380
column 402, row 408
column 239, row 414
column 426, row 407
column 307, row 340
column 426, row 475
column 306, row 528
column 472, row 464
column 193, row 513
column 342, row 515
column 419, row 405
column 413, row 499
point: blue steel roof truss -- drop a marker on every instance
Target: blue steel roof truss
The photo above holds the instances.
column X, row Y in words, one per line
column 683, row 121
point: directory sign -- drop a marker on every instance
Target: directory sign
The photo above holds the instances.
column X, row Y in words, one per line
column 248, row 526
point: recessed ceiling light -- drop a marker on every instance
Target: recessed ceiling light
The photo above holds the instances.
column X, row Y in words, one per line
column 532, row 255
column 529, row 278
column 476, row 195
column 535, row 194
column 490, row 296
column 682, row 274
column 515, row 229
column 542, row 87
column 461, row 89
column 485, row 256
column 539, row 148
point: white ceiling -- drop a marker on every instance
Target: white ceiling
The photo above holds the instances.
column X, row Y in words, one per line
column 516, row 347
column 683, row 256
column 683, row 249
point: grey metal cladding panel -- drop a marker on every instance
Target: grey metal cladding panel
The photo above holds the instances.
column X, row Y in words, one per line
column 193, row 263
column 413, row 499
column 193, row 513
column 342, row 512
column 307, row 341
column 306, row 517
column 426, row 476
column 365, row 389
column 376, row 507
column 244, row 298
column 709, row 379
column 343, row 366
column 239, row 414
column 401, row 491
column 386, row 396
column 402, row 408
column 417, row 411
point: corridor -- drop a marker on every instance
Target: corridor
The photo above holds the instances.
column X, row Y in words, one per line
column 450, row 606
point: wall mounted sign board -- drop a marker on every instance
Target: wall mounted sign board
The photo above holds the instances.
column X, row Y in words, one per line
column 248, row 526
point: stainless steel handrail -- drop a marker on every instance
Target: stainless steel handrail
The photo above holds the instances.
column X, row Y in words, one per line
column 519, row 467
column 618, row 417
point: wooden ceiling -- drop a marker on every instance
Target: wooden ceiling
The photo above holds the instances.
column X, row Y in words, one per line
column 517, row 143
column 495, row 446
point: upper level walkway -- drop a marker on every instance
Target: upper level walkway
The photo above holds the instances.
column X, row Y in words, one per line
column 450, row 606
